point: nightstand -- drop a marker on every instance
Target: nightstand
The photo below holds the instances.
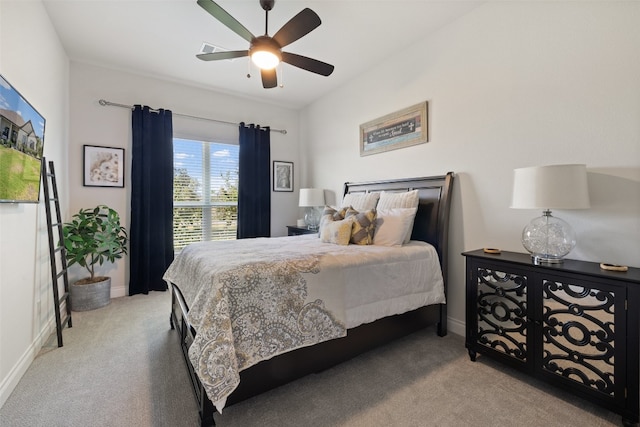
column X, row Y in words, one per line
column 570, row 324
column 293, row 230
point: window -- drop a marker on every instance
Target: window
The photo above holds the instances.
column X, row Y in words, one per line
column 205, row 191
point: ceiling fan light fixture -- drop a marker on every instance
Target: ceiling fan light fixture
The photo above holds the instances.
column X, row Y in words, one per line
column 265, row 53
column 265, row 59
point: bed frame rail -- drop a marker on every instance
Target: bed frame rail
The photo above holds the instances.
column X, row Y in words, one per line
column 178, row 319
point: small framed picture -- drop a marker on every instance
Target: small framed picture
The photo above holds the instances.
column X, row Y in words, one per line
column 282, row 176
column 103, row 166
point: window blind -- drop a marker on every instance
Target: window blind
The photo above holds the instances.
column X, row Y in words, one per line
column 205, row 191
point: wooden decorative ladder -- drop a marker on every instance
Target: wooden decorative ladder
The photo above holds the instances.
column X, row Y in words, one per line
column 56, row 250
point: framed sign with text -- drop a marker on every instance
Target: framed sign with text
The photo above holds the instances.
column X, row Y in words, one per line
column 401, row 129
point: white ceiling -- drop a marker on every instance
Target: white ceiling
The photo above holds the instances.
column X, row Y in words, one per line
column 161, row 38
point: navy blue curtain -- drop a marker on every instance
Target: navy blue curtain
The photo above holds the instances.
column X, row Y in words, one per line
column 151, row 232
column 254, row 189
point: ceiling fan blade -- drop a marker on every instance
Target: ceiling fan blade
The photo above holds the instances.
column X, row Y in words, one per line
column 308, row 64
column 269, row 78
column 298, row 26
column 223, row 16
column 214, row 56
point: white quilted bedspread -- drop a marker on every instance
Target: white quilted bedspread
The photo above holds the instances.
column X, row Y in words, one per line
column 252, row 299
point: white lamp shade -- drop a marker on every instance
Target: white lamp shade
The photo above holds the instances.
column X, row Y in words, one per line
column 550, row 187
column 311, row 197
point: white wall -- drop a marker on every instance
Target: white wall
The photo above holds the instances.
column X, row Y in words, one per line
column 511, row 84
column 33, row 61
column 67, row 96
column 93, row 124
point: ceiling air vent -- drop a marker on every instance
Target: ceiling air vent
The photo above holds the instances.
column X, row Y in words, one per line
column 210, row 48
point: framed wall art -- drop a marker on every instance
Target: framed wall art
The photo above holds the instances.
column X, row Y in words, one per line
column 103, row 166
column 401, row 129
column 21, row 147
column 282, row 176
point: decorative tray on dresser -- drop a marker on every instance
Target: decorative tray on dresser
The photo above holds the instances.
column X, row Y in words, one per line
column 572, row 324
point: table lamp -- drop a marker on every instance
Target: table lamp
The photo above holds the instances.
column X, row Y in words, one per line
column 549, row 239
column 311, row 199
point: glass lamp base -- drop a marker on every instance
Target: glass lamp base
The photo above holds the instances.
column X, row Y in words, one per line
column 541, row 259
column 549, row 239
column 312, row 218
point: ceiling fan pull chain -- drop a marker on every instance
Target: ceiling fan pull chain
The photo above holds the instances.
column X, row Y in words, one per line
column 248, row 69
column 281, row 75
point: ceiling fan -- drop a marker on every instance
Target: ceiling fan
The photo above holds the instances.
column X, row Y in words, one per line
column 265, row 51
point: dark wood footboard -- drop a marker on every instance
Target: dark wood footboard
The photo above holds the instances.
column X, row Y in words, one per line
column 298, row 363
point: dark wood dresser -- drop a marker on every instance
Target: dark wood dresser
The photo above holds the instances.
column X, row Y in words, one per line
column 571, row 324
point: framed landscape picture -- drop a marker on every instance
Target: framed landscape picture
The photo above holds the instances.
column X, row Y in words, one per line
column 21, row 147
column 103, row 166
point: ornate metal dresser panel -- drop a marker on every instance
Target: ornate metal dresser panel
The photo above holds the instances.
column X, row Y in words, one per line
column 571, row 324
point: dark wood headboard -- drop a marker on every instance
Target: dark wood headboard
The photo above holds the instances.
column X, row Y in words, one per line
column 432, row 219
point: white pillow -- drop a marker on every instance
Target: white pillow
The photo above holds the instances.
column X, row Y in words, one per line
column 406, row 199
column 361, row 201
column 393, row 225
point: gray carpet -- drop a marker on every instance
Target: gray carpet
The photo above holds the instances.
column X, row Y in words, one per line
column 121, row 366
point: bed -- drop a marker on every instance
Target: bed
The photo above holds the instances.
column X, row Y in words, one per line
column 341, row 328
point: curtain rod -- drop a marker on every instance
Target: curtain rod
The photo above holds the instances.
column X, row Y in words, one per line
column 105, row 103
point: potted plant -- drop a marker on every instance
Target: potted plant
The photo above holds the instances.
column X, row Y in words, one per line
column 92, row 237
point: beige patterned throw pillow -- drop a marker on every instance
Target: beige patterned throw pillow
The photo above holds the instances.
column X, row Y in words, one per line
column 330, row 214
column 364, row 226
column 337, row 232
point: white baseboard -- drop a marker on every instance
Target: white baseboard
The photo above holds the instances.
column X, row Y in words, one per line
column 118, row 291
column 455, row 326
column 10, row 382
